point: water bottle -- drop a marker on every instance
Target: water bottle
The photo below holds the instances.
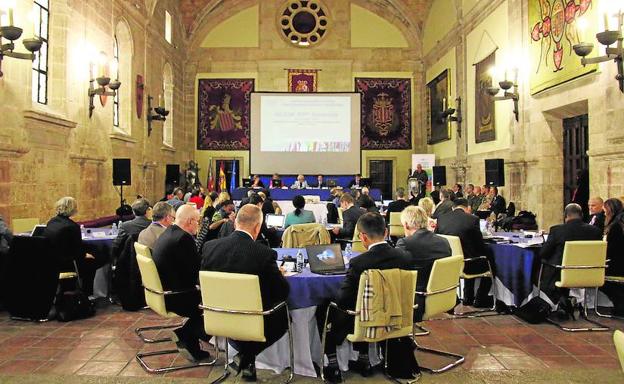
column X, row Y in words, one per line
column 300, row 261
column 118, row 227
column 114, row 229
column 82, row 230
column 348, row 250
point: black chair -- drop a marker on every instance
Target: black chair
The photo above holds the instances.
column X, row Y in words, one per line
column 30, row 280
column 332, row 213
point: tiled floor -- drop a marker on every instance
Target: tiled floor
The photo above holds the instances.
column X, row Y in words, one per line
column 105, row 345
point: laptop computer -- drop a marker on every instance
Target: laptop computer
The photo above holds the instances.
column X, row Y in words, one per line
column 246, row 183
column 275, row 221
column 276, row 183
column 326, row 259
column 38, row 230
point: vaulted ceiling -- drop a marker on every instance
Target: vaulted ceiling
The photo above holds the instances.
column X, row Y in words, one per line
column 413, row 11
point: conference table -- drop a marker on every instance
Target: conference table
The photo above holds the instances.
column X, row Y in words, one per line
column 289, row 194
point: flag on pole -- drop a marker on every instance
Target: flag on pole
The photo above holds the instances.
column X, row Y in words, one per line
column 210, row 183
column 222, row 186
column 233, row 177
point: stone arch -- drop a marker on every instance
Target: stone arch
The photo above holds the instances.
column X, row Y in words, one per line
column 125, row 46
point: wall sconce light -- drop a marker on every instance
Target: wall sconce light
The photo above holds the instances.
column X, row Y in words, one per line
column 161, row 113
column 106, row 86
column 506, row 85
column 606, row 38
column 449, row 112
column 13, row 33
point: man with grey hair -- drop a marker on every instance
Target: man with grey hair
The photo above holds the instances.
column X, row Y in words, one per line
column 398, row 205
column 596, row 213
column 177, row 261
column 423, row 247
column 142, row 212
column 163, row 215
column 240, row 253
column 573, row 229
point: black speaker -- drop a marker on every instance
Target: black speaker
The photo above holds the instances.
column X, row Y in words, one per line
column 172, row 177
column 121, row 172
column 495, row 172
column 439, row 175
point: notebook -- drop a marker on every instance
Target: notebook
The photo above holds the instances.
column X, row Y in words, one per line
column 326, row 259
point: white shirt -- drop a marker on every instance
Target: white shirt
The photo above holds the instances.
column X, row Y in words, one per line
column 375, row 244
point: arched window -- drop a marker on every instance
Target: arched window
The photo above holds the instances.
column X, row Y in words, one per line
column 168, row 93
column 123, row 51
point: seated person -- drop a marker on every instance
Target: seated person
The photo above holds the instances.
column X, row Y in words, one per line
column 68, row 247
column 300, row 183
column 423, row 248
column 163, row 215
column 379, row 255
column 299, row 215
column 177, row 262
column 276, row 181
column 355, row 183
column 445, row 205
column 552, row 252
column 196, row 198
column 399, row 204
column 205, row 234
column 256, row 182
column 464, row 225
column 350, row 216
column 5, row 240
column 614, row 230
column 596, row 212
column 367, row 203
column 224, row 214
column 240, row 253
column 498, row 204
column 426, row 203
column 142, row 219
column 268, row 236
column 320, row 183
column 177, row 198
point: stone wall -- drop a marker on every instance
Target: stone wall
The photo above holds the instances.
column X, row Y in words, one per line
column 54, row 150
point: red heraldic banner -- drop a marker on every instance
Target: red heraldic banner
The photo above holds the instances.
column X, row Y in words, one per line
column 302, row 80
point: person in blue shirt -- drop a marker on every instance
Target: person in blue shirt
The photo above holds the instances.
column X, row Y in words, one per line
column 300, row 215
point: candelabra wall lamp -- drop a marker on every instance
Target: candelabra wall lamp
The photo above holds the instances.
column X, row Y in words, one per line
column 161, row 113
column 98, row 72
column 506, row 85
column 454, row 115
column 12, row 33
column 606, row 38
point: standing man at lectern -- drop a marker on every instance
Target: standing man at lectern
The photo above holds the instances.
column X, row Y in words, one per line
column 421, row 177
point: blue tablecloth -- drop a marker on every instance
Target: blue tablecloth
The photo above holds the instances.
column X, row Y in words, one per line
column 514, row 269
column 288, row 194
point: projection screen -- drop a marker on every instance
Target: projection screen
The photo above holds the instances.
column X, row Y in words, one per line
column 308, row 133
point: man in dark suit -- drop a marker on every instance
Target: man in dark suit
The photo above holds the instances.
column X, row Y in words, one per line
column 398, row 205
column 596, row 214
column 240, row 253
column 320, row 183
column 552, row 252
column 177, row 261
column 350, row 216
column 355, row 183
column 141, row 209
column 423, row 247
column 498, row 204
column 380, row 255
column 435, row 195
column 421, row 178
column 462, row 224
column 445, row 205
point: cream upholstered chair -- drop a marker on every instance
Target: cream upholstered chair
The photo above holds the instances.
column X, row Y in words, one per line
column 440, row 298
column 239, row 314
column 359, row 330
column 302, row 235
column 583, row 266
column 456, row 249
column 143, row 250
column 340, row 216
column 609, row 279
column 356, row 243
column 395, row 226
column 618, row 340
column 24, row 225
column 155, row 298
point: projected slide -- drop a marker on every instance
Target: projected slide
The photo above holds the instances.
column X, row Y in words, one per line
column 310, row 124
column 293, row 133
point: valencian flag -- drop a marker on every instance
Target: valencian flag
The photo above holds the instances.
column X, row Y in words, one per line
column 222, row 186
column 210, row 183
column 302, row 80
column 233, row 176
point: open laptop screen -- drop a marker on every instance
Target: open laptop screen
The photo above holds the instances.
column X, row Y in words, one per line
column 325, row 258
column 275, row 221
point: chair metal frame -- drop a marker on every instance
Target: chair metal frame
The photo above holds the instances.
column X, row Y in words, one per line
column 609, row 279
column 356, row 314
column 141, row 355
column 600, row 327
column 459, row 359
column 226, row 372
column 480, row 312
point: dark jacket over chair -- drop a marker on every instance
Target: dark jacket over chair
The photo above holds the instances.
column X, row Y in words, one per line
column 396, row 206
column 552, row 251
column 239, row 253
column 423, row 248
column 349, row 220
column 66, row 241
column 177, row 261
column 126, row 229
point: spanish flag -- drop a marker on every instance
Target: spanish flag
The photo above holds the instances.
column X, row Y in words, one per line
column 222, row 185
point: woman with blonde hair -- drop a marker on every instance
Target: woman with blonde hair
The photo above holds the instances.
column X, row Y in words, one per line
column 223, row 196
column 426, row 203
